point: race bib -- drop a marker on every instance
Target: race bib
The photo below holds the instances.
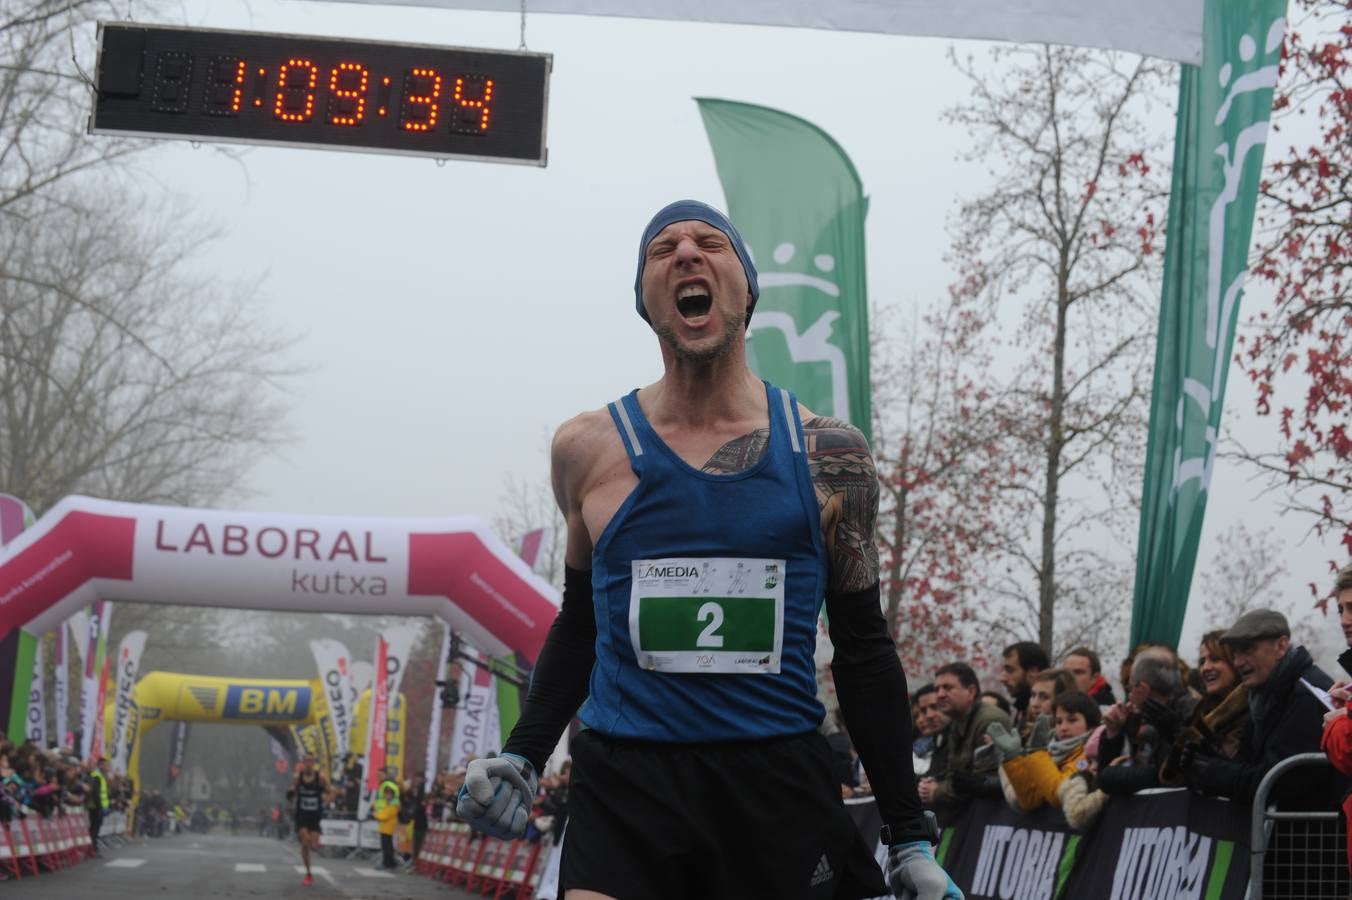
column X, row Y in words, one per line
column 693, row 615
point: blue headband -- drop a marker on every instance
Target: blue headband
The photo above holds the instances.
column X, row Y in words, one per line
column 693, row 210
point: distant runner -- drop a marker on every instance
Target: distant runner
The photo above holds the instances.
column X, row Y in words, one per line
column 311, row 791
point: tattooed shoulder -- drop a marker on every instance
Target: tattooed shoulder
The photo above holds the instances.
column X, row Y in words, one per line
column 826, row 433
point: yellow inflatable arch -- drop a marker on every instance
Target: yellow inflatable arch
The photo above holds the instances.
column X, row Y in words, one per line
column 299, row 706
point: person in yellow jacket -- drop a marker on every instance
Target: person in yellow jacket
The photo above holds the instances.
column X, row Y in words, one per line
column 386, row 813
column 1032, row 775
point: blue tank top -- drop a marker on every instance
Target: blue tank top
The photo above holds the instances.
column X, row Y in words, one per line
column 739, row 528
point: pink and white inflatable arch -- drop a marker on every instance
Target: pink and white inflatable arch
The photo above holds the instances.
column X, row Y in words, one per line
column 452, row 568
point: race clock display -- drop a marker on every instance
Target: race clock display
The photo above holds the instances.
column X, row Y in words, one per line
column 329, row 93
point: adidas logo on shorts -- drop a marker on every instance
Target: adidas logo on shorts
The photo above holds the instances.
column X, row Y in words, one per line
column 823, row 873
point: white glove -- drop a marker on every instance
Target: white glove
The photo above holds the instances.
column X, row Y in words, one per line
column 498, row 795
column 913, row 874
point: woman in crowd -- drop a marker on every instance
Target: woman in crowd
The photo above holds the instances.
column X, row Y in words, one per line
column 1218, row 722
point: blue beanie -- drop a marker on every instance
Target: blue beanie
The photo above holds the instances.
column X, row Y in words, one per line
column 693, row 210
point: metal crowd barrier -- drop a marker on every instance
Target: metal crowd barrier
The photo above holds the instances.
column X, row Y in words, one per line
column 35, row 844
column 454, row 854
column 1295, row 855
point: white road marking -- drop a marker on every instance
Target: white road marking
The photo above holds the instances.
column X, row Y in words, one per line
column 250, row 867
column 124, row 863
column 371, row 873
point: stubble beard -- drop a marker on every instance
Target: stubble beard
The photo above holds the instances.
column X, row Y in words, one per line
column 703, row 355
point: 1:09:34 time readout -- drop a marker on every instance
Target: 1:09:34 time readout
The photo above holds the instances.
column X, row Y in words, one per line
column 347, row 95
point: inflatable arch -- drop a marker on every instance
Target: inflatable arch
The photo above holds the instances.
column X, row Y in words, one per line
column 295, row 711
column 84, row 549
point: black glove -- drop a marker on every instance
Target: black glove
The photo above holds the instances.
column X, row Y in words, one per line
column 1202, row 771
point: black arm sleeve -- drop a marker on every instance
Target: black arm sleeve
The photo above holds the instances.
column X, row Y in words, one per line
column 872, row 691
column 559, row 684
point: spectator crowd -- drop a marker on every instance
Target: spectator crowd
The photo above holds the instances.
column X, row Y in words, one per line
column 1059, row 735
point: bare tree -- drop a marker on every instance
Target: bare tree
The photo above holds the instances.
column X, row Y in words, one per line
column 120, row 374
column 1063, row 250
column 1245, row 574
column 46, row 49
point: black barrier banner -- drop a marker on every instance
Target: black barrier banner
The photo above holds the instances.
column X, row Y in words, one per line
column 1166, row 844
column 1160, row 845
column 992, row 851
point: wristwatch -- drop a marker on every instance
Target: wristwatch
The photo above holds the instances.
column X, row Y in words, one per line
column 931, row 828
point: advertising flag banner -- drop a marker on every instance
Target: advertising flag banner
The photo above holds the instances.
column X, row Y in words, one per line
column 1224, row 107
column 1165, row 28
column 61, row 686
column 434, row 728
column 476, row 732
column 97, row 748
column 37, row 703
column 335, row 673
column 376, row 727
column 178, row 751
column 124, row 679
column 89, row 686
column 798, row 202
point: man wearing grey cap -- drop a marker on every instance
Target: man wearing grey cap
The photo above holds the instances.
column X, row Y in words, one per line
column 708, row 514
column 1287, row 719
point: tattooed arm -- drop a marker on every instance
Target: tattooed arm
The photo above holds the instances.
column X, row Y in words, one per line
column 869, row 681
column 846, row 483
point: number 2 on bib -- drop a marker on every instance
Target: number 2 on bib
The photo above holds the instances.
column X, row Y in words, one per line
column 710, row 637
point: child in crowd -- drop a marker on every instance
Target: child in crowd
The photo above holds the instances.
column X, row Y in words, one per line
column 1031, row 778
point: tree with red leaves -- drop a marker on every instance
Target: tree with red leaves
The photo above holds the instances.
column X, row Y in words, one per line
column 1302, row 340
column 936, row 443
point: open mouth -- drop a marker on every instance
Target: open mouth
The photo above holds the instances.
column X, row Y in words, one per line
column 694, row 302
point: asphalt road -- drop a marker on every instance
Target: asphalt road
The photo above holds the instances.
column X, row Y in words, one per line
column 186, row 867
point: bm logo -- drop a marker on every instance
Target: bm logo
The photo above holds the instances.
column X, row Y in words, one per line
column 266, row 702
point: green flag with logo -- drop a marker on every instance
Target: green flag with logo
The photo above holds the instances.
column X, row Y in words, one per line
column 798, row 202
column 1223, row 111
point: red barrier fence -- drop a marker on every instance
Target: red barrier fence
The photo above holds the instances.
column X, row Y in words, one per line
column 495, row 868
column 34, row 844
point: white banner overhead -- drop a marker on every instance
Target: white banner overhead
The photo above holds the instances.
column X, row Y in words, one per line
column 1170, row 29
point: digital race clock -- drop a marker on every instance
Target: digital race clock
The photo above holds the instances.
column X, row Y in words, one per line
column 211, row 85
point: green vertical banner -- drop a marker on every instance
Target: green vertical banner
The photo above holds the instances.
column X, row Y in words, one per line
column 18, row 648
column 1224, row 107
column 797, row 200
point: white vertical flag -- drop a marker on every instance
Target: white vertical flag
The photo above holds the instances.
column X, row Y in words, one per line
column 128, row 662
column 61, row 687
column 89, row 687
column 335, row 672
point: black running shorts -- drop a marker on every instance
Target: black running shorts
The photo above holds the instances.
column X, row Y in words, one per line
column 650, row 821
column 309, row 821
